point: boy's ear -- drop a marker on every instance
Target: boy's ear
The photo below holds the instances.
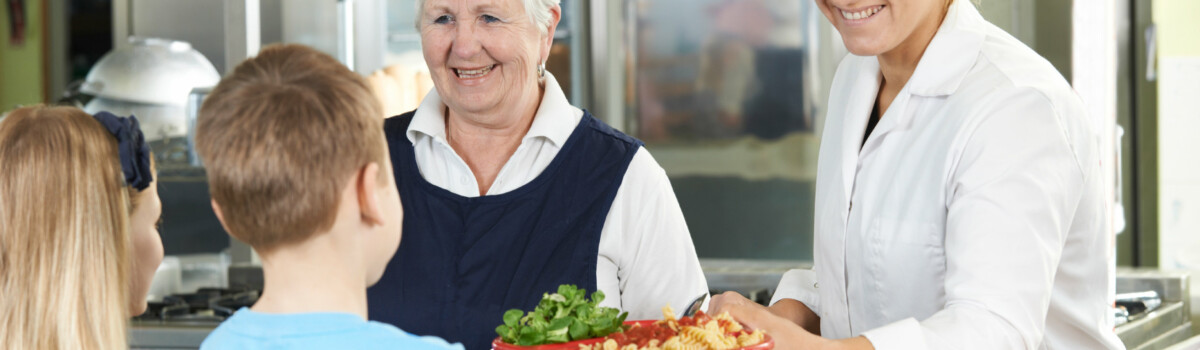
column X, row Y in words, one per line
column 217, row 210
column 367, row 188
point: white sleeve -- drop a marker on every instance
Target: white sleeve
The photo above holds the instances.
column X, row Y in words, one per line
column 646, row 257
column 1012, row 194
column 800, row 285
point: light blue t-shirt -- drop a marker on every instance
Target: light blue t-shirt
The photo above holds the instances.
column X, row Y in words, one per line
column 248, row 329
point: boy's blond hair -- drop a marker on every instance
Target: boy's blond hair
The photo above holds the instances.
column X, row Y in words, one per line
column 280, row 137
column 65, row 257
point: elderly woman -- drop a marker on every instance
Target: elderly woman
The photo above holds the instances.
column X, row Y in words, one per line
column 959, row 196
column 509, row 191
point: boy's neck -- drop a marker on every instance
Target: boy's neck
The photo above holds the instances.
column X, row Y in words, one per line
column 312, row 276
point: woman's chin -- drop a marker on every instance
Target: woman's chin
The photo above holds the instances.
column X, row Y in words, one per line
column 865, row 44
column 473, row 104
column 864, row 49
column 137, row 308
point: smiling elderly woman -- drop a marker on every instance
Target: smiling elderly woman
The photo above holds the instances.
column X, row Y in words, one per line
column 509, row 191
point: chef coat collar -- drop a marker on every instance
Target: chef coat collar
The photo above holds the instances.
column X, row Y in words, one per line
column 951, row 53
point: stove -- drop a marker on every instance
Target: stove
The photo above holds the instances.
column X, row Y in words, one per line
column 182, row 321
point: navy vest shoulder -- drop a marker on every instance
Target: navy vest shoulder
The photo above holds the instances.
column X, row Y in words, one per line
column 464, row 261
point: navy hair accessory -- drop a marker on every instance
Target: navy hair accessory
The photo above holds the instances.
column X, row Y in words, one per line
column 131, row 145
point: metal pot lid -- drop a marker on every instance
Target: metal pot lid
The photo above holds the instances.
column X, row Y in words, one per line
column 158, row 121
column 150, row 70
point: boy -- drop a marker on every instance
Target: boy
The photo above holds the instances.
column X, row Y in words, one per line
column 298, row 169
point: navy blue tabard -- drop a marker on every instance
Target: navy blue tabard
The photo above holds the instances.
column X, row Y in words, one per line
column 464, row 261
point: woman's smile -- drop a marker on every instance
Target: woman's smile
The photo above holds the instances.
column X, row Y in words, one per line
column 473, row 73
column 861, row 15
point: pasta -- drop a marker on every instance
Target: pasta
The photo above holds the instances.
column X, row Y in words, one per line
column 700, row 332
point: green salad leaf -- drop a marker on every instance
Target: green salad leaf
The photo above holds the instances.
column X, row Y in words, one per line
column 561, row 317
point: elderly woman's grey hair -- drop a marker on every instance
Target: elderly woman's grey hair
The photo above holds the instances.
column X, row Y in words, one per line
column 538, row 11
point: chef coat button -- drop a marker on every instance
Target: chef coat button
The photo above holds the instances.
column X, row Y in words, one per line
column 817, row 285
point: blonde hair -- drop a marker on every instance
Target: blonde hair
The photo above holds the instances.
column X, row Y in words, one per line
column 280, row 137
column 64, row 232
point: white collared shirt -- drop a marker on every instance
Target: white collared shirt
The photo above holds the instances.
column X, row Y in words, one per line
column 646, row 257
column 973, row 217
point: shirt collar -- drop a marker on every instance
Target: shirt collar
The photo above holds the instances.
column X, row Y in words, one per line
column 555, row 119
column 952, row 52
column 262, row 324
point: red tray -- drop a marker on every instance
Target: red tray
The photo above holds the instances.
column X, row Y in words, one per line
column 497, row 344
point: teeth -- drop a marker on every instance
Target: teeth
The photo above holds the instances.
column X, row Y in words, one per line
column 473, row 73
column 861, row 14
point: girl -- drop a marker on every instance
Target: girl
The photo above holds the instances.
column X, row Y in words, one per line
column 78, row 243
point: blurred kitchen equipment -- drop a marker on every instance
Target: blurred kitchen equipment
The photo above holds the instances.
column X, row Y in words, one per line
column 1120, row 316
column 1158, row 307
column 194, row 101
column 1138, row 303
column 168, row 279
column 189, row 296
column 754, row 279
column 154, row 80
column 150, row 78
column 204, row 270
column 182, row 321
column 229, row 31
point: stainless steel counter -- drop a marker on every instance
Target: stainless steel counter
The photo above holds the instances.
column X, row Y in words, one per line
column 168, row 336
column 1164, row 326
column 756, row 279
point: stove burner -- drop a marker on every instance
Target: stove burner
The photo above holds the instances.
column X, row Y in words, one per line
column 206, row 305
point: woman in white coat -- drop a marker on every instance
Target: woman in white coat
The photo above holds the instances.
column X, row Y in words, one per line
column 959, row 202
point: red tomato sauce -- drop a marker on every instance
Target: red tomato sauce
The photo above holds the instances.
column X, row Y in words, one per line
column 642, row 334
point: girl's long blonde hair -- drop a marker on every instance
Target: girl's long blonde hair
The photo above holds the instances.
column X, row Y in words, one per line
column 64, row 232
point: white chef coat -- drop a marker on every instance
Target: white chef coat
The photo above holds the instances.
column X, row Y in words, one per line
column 973, row 217
column 646, row 258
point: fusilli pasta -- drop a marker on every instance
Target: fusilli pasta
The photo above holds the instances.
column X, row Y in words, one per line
column 700, row 332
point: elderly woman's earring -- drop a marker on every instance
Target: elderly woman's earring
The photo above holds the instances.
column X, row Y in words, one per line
column 541, row 70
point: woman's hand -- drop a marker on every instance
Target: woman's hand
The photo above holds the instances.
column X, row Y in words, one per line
column 744, row 310
column 787, row 334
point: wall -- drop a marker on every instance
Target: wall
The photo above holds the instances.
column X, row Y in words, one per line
column 1008, row 15
column 200, row 23
column 21, row 66
column 1053, row 32
column 1044, row 25
column 1177, row 27
column 1178, row 79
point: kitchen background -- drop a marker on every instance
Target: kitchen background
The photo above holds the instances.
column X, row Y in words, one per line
column 729, row 96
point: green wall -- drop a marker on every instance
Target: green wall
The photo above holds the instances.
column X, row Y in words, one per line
column 1052, row 20
column 21, row 67
column 1177, row 27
